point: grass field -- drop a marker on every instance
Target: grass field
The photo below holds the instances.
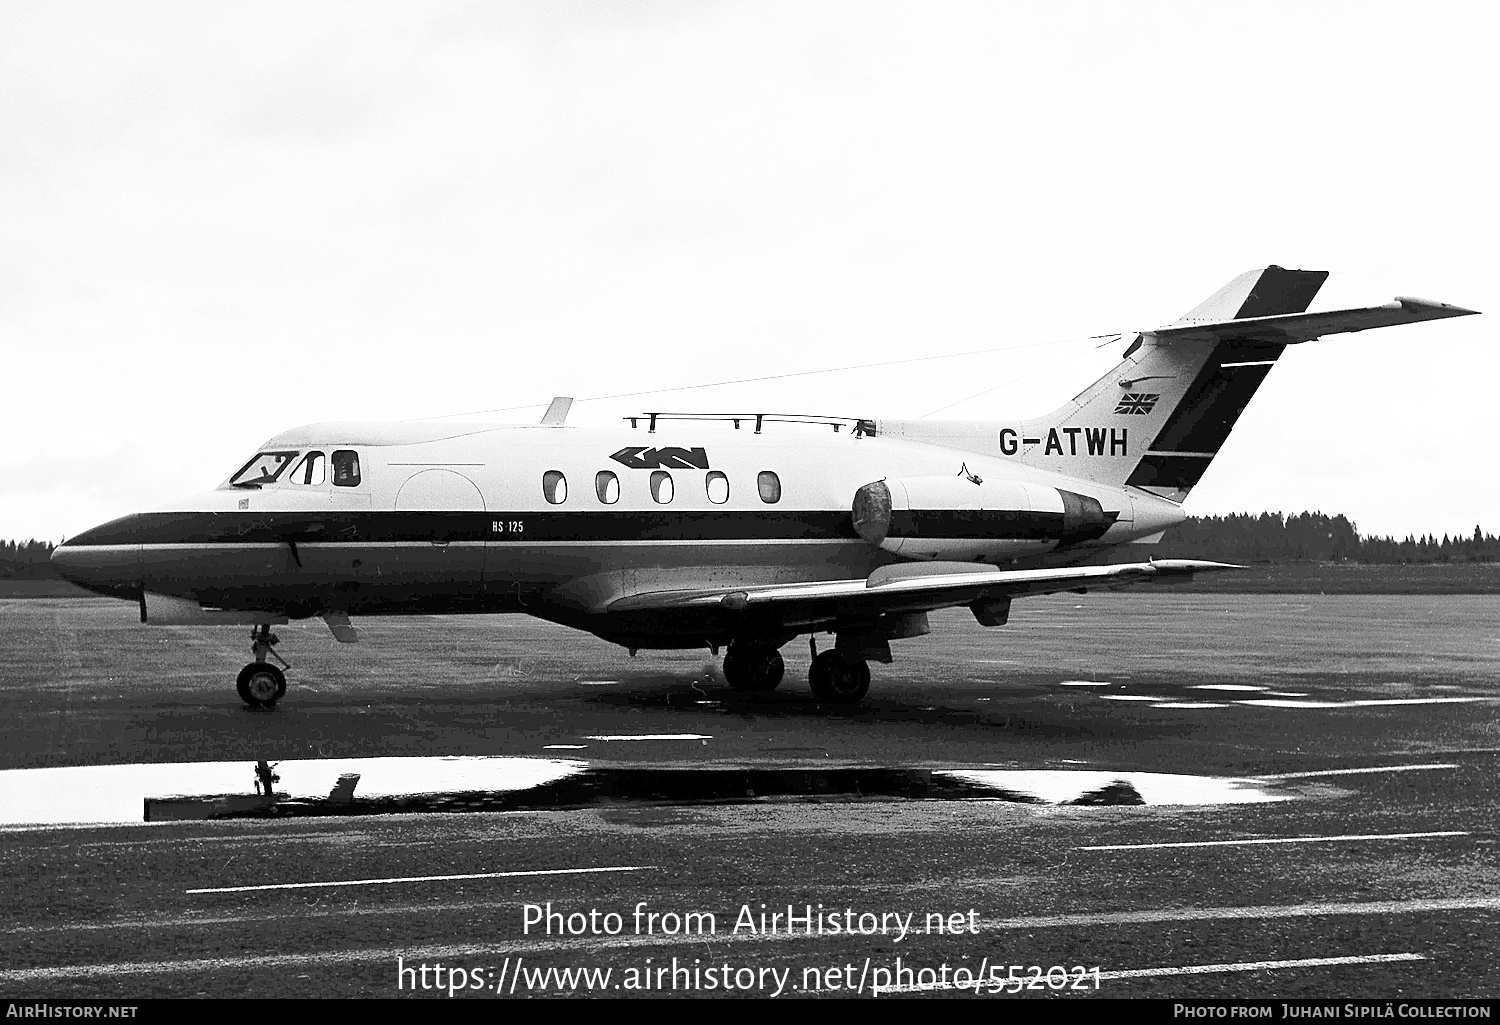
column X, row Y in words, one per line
column 1288, row 578
column 1352, row 578
column 41, row 589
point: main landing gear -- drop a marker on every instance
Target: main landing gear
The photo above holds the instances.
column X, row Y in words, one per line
column 753, row 667
column 836, row 676
column 261, row 684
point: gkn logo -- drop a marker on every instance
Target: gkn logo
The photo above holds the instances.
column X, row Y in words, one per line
column 1138, row 403
column 669, row 458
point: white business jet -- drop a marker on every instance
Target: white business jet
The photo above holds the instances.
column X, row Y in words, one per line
column 734, row 531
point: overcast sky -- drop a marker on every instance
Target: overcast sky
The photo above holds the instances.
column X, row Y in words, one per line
column 218, row 221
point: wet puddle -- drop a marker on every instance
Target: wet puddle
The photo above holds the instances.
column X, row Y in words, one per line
column 1096, row 787
column 372, row 786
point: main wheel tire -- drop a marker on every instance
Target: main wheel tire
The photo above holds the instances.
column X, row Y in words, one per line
column 839, row 679
column 753, row 668
column 261, row 684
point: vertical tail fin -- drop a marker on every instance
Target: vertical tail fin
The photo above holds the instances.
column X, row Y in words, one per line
column 1200, row 387
column 1158, row 418
column 1259, row 293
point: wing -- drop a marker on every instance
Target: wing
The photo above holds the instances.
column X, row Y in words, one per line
column 1303, row 327
column 909, row 588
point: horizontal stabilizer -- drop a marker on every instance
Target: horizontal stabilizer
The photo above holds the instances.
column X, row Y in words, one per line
column 1289, row 328
column 909, row 593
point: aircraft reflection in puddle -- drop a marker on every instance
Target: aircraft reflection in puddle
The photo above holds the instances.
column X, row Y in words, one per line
column 365, row 786
column 1090, row 787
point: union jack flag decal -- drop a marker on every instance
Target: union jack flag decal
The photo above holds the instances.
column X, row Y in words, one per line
column 1137, row 403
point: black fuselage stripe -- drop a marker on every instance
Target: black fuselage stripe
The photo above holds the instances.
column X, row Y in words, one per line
column 206, row 528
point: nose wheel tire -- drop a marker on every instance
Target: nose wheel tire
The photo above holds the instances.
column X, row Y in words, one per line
column 752, row 668
column 261, row 684
column 838, row 679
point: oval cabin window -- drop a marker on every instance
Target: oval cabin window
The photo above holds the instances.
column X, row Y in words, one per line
column 661, row 486
column 555, row 487
column 607, row 487
column 718, row 487
column 770, row 487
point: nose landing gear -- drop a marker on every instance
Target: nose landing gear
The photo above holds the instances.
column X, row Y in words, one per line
column 261, row 684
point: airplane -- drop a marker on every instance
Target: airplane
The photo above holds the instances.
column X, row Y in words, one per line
column 724, row 530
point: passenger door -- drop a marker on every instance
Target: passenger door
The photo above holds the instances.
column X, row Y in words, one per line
column 433, row 548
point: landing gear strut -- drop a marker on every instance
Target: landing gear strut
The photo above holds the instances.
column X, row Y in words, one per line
column 838, row 677
column 753, row 667
column 261, row 684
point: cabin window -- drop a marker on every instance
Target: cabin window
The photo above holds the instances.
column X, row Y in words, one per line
column 555, row 487
column 717, row 486
column 607, row 487
column 770, row 487
column 661, row 486
column 263, row 469
column 312, row 470
column 346, row 468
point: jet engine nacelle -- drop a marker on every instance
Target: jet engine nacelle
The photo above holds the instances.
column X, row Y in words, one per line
column 958, row 518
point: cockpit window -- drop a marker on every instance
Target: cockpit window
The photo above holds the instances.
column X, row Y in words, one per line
column 263, row 469
column 312, row 470
column 346, row 468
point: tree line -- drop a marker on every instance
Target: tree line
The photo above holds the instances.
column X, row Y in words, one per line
column 1313, row 537
column 26, row 560
column 1238, row 537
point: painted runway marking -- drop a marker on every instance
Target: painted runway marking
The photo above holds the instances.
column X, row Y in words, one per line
column 1264, row 911
column 1261, row 966
column 564, row 747
column 1130, row 697
column 365, row 956
column 598, row 683
column 1278, row 703
column 209, row 964
column 1192, row 704
column 424, row 879
column 238, row 839
column 655, row 736
column 1196, row 969
column 1271, row 840
column 1084, row 683
column 1356, row 772
column 1144, row 917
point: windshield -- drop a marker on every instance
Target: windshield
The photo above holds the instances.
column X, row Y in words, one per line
column 263, row 469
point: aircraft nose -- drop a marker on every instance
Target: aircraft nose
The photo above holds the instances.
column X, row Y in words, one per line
column 101, row 560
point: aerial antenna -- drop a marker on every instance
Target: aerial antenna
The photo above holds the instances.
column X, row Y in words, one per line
column 557, row 412
column 776, row 377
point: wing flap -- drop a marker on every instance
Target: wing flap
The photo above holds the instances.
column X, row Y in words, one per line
column 1290, row 328
column 887, row 593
